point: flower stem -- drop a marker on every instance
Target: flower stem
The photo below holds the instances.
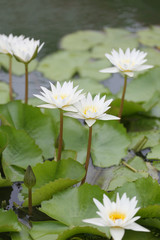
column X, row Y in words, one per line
column 60, row 135
column 29, row 201
column 26, row 83
column 123, row 95
column 10, row 78
column 88, row 154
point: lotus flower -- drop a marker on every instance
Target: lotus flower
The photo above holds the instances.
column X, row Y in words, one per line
column 92, row 109
column 126, row 62
column 62, row 97
column 26, row 50
column 7, row 43
column 118, row 215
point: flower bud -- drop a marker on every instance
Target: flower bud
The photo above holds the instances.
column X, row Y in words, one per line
column 29, row 178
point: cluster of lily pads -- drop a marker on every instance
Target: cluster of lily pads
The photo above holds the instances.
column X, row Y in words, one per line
column 125, row 154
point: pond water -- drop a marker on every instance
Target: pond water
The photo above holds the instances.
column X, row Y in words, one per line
column 50, row 20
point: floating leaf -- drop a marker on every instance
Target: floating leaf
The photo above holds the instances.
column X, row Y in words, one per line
column 153, row 138
column 115, row 38
column 20, row 152
column 109, row 143
column 150, row 36
column 129, row 108
column 81, row 40
column 9, row 221
column 79, row 233
column 91, row 68
column 155, row 152
column 132, row 235
column 17, row 67
column 124, row 174
column 62, row 65
column 143, row 87
column 33, row 121
column 89, row 85
column 153, row 56
column 4, row 93
column 52, row 177
column 147, row 192
column 47, row 230
column 71, row 206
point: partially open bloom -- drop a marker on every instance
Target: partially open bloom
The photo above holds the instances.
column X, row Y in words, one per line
column 26, row 50
column 62, row 97
column 118, row 215
column 7, row 43
column 92, row 109
column 127, row 62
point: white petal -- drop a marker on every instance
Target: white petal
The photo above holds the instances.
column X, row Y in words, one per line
column 95, row 221
column 130, row 74
column 136, row 227
column 73, row 115
column 117, row 233
column 108, row 117
column 143, row 67
column 110, row 70
column 47, row 106
column 70, row 108
column 90, row 122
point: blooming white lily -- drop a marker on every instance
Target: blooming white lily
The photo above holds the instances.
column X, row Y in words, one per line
column 118, row 215
column 92, row 109
column 7, row 43
column 62, row 97
column 26, row 50
column 127, row 62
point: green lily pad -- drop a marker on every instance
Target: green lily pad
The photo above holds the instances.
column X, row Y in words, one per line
column 91, row 68
column 89, row 85
column 20, row 152
column 149, row 203
column 124, row 174
column 153, row 138
column 71, row 206
column 17, row 67
column 109, row 143
column 115, row 38
column 52, row 177
column 153, row 56
column 9, row 221
column 155, row 152
column 4, row 93
column 79, row 233
column 81, row 40
column 37, row 125
column 143, row 87
column 132, row 235
column 150, row 36
column 62, row 65
column 129, row 108
column 48, row 230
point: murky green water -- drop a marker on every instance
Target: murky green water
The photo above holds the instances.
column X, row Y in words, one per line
column 49, row 20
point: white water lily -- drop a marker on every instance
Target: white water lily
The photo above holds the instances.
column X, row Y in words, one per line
column 127, row 62
column 26, row 50
column 92, row 109
column 62, row 97
column 7, row 43
column 118, row 215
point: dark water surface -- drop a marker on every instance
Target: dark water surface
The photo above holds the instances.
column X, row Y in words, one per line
column 49, row 20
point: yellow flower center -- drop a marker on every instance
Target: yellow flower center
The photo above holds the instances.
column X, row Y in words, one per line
column 127, row 61
column 117, row 215
column 91, row 109
column 61, row 96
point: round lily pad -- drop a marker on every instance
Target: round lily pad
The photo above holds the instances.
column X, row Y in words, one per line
column 150, row 36
column 62, row 65
column 81, row 40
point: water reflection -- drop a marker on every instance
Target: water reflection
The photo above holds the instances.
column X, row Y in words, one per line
column 49, row 20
